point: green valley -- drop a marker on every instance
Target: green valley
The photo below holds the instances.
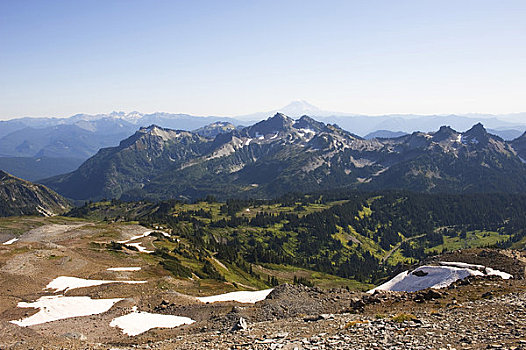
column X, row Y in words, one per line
column 335, row 238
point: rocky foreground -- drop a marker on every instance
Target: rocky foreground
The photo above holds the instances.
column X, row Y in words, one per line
column 474, row 313
column 477, row 313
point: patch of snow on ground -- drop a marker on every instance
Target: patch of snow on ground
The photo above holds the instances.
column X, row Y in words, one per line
column 436, row 277
column 123, row 269
column 247, row 142
column 138, row 322
column 54, row 308
column 462, row 265
column 139, row 247
column 504, row 275
column 488, row 271
column 11, row 241
column 241, row 296
column 522, row 160
column 65, row 283
column 147, row 233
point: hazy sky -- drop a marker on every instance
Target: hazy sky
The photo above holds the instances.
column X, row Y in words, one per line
column 58, row 58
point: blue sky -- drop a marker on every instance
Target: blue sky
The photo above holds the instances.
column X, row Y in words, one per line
column 58, row 58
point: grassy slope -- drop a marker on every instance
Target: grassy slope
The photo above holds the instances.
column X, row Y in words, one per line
column 474, row 239
column 353, row 242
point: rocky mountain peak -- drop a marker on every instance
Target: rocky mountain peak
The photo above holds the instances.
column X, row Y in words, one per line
column 306, row 122
column 149, row 129
column 444, row 133
column 476, row 135
column 279, row 122
column 477, row 128
column 445, row 129
column 164, row 134
column 214, row 129
column 280, row 117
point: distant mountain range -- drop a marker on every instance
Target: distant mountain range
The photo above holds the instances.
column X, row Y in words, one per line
column 510, row 125
column 58, row 145
column 20, row 197
column 82, row 135
column 280, row 155
column 35, row 148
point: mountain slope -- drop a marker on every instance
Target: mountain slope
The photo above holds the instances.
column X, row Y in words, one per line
column 20, row 197
column 131, row 165
column 280, row 155
column 82, row 135
column 474, row 161
column 519, row 144
column 214, row 129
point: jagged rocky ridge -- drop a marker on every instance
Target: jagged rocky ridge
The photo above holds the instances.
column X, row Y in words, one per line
column 20, row 197
column 280, row 155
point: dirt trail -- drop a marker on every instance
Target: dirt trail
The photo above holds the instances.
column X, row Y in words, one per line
column 398, row 245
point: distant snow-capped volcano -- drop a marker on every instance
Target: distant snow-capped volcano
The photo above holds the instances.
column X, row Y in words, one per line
column 295, row 109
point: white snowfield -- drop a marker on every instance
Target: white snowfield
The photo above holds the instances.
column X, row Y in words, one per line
column 139, row 247
column 436, row 276
column 11, row 241
column 491, row 272
column 461, row 264
column 488, row 271
column 58, row 307
column 145, row 234
column 65, row 283
column 241, row 296
column 124, row 268
column 138, row 322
